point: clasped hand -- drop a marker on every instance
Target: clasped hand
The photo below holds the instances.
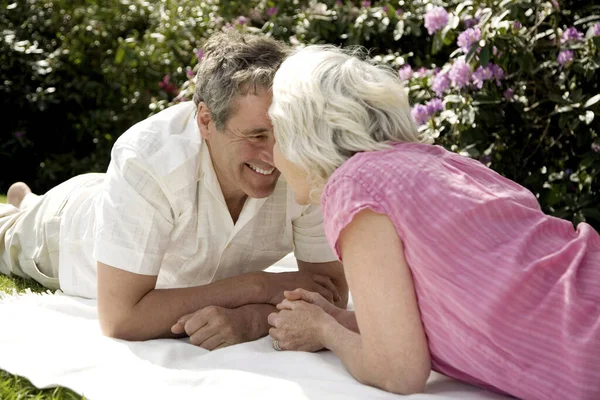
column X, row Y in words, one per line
column 301, row 321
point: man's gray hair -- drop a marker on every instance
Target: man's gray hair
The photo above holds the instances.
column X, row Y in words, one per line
column 235, row 64
column 329, row 104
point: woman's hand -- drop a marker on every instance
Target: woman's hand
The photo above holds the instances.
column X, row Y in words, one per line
column 299, row 325
column 309, row 297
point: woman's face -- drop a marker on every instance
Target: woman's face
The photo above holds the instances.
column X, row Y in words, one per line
column 294, row 176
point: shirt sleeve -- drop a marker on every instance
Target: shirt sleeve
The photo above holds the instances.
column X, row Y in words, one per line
column 134, row 216
column 310, row 242
column 343, row 198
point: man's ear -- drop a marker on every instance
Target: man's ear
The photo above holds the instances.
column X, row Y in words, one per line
column 204, row 119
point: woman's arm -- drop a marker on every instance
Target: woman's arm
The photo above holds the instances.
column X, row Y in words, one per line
column 391, row 351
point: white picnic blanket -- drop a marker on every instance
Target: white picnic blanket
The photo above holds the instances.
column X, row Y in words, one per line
column 56, row 340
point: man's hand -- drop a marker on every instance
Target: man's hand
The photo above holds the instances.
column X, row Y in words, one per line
column 277, row 283
column 215, row 327
column 300, row 327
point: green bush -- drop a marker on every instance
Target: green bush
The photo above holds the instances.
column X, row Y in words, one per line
column 75, row 74
column 521, row 95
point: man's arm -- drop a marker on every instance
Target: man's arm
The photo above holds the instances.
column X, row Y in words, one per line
column 335, row 271
column 130, row 308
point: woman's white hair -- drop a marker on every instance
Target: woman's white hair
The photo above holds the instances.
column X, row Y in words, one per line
column 329, row 104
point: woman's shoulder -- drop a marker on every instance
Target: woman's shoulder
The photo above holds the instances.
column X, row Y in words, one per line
column 399, row 160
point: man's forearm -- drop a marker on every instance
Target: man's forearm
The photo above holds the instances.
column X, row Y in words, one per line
column 159, row 309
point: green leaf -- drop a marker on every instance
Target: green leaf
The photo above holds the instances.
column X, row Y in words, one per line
column 592, row 101
column 120, row 55
column 484, row 57
column 526, row 62
column 437, row 44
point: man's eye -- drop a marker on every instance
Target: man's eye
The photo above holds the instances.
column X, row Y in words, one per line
column 258, row 137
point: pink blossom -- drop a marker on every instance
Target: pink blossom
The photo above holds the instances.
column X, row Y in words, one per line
column 421, row 72
column 366, row 3
column 434, row 105
column 468, row 38
column 460, row 74
column 190, row 73
column 441, row 83
column 200, row 54
column 405, row 73
column 481, row 75
column 596, row 30
column 168, row 86
column 565, row 57
column 272, row 11
column 509, row 93
column 497, row 73
column 241, row 20
column 596, row 147
column 571, row 34
column 517, row 25
column 436, row 19
column 420, row 114
column 470, row 22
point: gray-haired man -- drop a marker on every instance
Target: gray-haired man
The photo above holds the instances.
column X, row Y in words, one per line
column 189, row 213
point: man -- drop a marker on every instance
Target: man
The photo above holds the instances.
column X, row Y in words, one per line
column 189, row 213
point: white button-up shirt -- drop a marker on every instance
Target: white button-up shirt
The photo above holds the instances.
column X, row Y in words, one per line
column 160, row 211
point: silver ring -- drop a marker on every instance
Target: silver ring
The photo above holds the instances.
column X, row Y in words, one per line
column 276, row 345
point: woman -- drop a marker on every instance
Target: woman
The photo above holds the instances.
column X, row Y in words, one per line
column 451, row 266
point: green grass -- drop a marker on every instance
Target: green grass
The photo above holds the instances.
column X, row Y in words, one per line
column 14, row 387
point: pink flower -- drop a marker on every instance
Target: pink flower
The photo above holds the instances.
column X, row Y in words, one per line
column 434, row 105
column 564, row 57
column 272, row 11
column 420, row 114
column 441, row 83
column 481, row 75
column 508, row 94
column 241, row 20
column 470, row 22
column 468, row 38
column 436, row 19
column 200, row 54
column 421, row 72
column 190, row 73
column 596, row 30
column 460, row 74
column 338, row 2
column 571, row 34
column 497, row 73
column 405, row 73
column 517, row 25
column 366, row 3
column 595, row 147
column 168, row 86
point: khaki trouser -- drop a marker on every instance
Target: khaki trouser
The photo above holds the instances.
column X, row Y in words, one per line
column 29, row 235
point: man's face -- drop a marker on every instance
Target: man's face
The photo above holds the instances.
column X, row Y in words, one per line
column 242, row 153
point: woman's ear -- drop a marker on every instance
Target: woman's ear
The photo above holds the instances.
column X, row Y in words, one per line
column 204, row 118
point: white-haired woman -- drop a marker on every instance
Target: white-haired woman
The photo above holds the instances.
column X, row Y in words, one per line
column 451, row 266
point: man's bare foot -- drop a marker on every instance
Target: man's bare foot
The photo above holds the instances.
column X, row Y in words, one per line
column 16, row 193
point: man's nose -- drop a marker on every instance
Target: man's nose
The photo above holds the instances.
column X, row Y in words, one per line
column 266, row 152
